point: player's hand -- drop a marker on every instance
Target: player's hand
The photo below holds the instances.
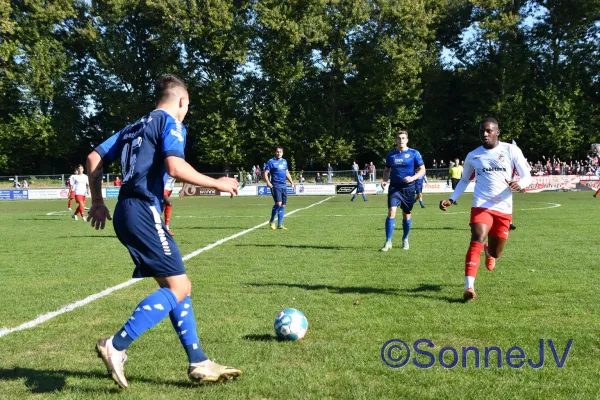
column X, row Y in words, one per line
column 293, row 187
column 514, row 186
column 383, row 185
column 98, row 215
column 444, row 204
column 409, row 179
column 270, row 185
column 228, row 185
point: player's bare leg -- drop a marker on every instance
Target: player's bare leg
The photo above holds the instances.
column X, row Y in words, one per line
column 479, row 233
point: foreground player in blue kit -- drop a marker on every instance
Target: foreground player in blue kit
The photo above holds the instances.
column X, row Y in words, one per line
column 277, row 168
column 148, row 150
column 400, row 167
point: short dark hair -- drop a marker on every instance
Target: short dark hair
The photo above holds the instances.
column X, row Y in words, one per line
column 78, row 165
column 401, row 132
column 278, row 147
column 165, row 85
column 491, row 120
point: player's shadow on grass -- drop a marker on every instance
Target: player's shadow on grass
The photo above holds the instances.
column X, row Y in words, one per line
column 208, row 227
column 443, row 228
column 336, row 289
column 262, row 338
column 49, row 381
column 48, row 218
column 298, row 246
column 417, row 228
column 86, row 236
column 422, row 289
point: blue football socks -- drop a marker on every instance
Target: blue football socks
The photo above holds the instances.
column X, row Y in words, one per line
column 280, row 216
column 389, row 228
column 182, row 318
column 406, row 228
column 274, row 212
column 148, row 313
column 364, row 197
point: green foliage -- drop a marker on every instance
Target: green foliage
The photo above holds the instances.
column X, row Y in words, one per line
column 328, row 80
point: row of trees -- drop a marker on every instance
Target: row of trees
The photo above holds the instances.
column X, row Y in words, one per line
column 327, row 79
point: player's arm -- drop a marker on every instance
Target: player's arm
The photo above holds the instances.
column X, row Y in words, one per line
column 266, row 177
column 416, row 176
column 461, row 186
column 106, row 152
column 181, row 170
column 522, row 168
column 289, row 177
column 98, row 213
column 386, row 177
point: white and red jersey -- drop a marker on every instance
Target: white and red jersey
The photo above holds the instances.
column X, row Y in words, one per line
column 493, row 168
column 70, row 182
column 169, row 183
column 80, row 184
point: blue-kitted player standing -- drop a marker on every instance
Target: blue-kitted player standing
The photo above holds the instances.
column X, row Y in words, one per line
column 400, row 167
column 360, row 187
column 148, row 150
column 277, row 168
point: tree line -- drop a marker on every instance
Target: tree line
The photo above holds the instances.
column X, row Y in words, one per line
column 329, row 80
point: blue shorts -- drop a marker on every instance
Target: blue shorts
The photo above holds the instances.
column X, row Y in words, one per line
column 139, row 227
column 279, row 194
column 419, row 187
column 360, row 189
column 401, row 197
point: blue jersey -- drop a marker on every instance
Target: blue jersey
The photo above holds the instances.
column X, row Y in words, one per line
column 402, row 164
column 359, row 180
column 142, row 148
column 277, row 169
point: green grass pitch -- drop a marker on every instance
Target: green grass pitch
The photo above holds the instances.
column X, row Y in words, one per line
column 329, row 266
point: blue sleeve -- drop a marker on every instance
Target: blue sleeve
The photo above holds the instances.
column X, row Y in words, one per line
column 173, row 138
column 418, row 159
column 268, row 166
column 387, row 162
column 109, row 150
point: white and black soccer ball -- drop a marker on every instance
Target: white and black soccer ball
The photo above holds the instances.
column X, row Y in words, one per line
column 290, row 324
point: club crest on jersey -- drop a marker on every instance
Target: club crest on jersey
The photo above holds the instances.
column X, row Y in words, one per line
column 407, row 155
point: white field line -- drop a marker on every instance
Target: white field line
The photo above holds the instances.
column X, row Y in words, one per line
column 80, row 303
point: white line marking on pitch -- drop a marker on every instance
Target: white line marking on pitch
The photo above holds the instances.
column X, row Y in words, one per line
column 80, row 303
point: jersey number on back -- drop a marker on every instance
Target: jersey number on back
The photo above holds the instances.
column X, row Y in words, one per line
column 129, row 157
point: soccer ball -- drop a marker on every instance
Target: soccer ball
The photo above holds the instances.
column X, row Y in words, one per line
column 290, row 324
